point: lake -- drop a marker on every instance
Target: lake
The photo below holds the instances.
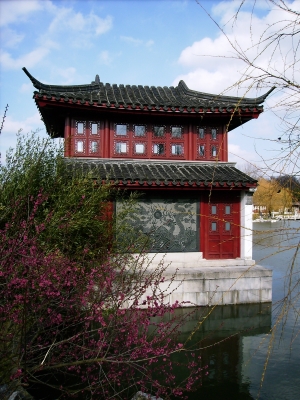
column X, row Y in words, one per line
column 253, row 351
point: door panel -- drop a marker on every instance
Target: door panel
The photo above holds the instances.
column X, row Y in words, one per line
column 220, row 225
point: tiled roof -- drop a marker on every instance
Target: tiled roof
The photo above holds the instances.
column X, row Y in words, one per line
column 155, row 173
column 179, row 98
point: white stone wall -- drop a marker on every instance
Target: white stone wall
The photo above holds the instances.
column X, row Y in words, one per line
column 246, row 228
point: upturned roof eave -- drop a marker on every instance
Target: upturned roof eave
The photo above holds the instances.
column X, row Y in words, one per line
column 230, row 99
column 59, row 88
column 166, row 96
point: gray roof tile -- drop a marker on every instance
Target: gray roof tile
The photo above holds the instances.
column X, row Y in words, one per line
column 179, row 173
column 180, row 96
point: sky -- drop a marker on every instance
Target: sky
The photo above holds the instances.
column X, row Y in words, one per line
column 140, row 42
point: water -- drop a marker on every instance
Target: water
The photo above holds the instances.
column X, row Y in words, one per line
column 276, row 247
column 255, row 349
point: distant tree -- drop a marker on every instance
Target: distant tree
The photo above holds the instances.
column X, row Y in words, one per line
column 272, row 195
column 292, row 183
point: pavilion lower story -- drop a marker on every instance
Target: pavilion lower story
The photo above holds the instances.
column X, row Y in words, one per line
column 197, row 218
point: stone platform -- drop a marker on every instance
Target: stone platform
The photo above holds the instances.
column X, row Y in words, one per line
column 200, row 282
column 203, row 286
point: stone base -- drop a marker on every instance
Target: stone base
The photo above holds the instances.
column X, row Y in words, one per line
column 203, row 286
column 222, row 285
column 201, row 282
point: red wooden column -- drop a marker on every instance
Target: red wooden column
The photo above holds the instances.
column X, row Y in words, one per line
column 190, row 155
column 107, row 217
column 225, row 143
column 67, row 136
column 106, row 140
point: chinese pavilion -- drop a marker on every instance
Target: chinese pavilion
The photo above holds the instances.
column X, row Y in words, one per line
column 171, row 143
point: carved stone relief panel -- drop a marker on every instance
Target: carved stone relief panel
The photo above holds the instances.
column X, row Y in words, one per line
column 170, row 225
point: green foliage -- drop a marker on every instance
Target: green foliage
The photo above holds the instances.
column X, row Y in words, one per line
column 32, row 166
column 75, row 217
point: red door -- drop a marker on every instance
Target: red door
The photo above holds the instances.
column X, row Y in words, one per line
column 220, row 225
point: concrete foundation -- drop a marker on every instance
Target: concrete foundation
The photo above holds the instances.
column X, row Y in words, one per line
column 200, row 282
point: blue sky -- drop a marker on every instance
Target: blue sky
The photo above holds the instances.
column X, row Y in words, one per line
column 149, row 42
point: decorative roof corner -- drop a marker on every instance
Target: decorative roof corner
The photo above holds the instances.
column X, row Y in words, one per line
column 241, row 101
column 262, row 98
column 37, row 84
column 57, row 89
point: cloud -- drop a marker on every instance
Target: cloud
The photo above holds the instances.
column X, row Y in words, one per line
column 102, row 25
column 137, row 42
column 204, row 80
column 12, row 127
column 8, row 138
column 149, row 43
column 10, row 38
column 91, row 24
column 239, row 155
column 215, row 65
column 105, row 58
column 211, row 66
column 29, row 124
column 16, row 11
column 61, row 25
column 179, row 6
column 220, row 59
column 29, row 60
column 79, row 30
column 26, row 87
column 67, row 75
column 131, row 40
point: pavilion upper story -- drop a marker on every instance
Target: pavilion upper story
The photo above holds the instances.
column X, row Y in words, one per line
column 141, row 122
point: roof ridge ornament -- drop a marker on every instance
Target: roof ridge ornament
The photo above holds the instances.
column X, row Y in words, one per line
column 96, row 81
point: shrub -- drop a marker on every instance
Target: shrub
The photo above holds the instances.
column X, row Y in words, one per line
column 74, row 310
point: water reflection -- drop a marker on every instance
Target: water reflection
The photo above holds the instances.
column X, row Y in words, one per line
column 220, row 339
